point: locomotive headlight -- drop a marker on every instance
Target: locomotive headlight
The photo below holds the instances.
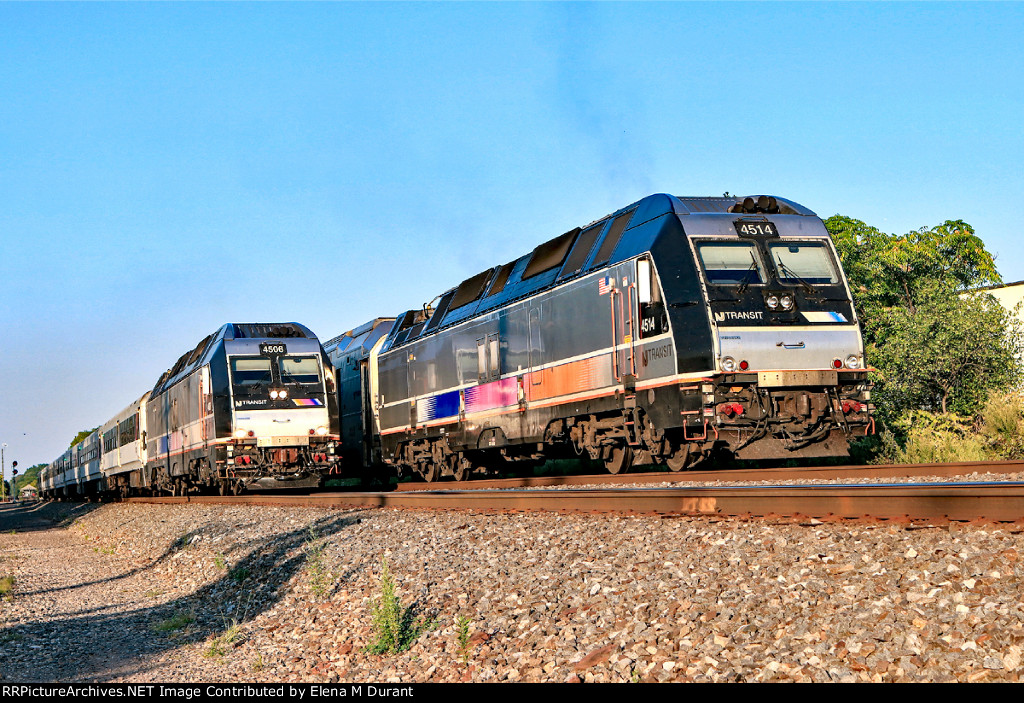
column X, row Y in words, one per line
column 852, row 362
column 273, row 395
column 728, row 364
column 787, row 302
column 773, row 302
column 282, row 394
column 240, row 434
column 321, row 430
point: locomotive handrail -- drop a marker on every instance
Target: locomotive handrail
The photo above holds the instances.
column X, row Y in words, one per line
column 615, row 338
column 633, row 295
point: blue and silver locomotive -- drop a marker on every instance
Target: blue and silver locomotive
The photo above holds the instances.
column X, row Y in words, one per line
column 665, row 332
column 251, row 401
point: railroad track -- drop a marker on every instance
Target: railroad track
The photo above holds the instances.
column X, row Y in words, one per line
column 931, row 502
column 836, row 473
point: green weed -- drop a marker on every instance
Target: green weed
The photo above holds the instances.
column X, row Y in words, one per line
column 179, row 621
column 462, row 632
column 320, row 577
column 6, row 587
column 220, row 644
column 395, row 627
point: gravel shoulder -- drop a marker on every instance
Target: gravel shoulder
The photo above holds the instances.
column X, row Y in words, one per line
column 169, row 593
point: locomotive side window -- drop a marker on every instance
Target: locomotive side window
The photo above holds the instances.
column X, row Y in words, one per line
column 550, row 254
column 481, row 360
column 502, row 278
column 299, row 369
column 581, row 250
column 611, row 240
column 805, row 261
column 646, row 290
column 493, row 353
column 651, row 306
column 731, row 263
column 250, row 371
column 471, row 289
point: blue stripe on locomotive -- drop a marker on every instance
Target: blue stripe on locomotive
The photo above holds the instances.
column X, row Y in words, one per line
column 446, row 404
column 439, row 406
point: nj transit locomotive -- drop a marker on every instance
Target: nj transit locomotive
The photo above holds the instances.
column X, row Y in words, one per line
column 666, row 331
column 250, row 402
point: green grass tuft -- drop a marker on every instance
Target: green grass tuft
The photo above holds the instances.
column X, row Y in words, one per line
column 179, row 621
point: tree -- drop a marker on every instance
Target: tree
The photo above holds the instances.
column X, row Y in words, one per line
column 30, row 476
column 946, row 354
column 934, row 346
column 82, row 435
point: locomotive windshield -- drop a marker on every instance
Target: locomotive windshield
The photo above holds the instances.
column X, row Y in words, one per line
column 299, row 369
column 731, row 263
column 250, row 371
column 804, row 261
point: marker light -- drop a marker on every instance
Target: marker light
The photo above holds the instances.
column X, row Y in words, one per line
column 837, row 363
column 729, row 364
column 852, row 362
column 321, row 430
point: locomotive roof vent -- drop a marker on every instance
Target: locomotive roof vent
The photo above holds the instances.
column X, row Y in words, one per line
column 766, row 204
column 272, row 330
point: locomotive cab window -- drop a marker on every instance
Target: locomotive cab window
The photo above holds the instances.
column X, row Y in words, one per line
column 731, row 263
column 250, row 371
column 803, row 261
column 299, row 369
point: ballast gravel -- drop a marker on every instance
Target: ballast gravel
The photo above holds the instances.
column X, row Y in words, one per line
column 189, row 593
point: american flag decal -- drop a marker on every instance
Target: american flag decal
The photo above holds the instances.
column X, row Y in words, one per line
column 605, row 284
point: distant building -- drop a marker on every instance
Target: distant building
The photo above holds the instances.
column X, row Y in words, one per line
column 28, row 492
column 1010, row 296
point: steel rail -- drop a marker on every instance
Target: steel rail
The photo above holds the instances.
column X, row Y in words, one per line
column 937, row 502
column 872, row 472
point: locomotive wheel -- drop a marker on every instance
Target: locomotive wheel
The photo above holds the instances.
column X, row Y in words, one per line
column 429, row 471
column 678, row 459
column 461, row 468
column 618, row 459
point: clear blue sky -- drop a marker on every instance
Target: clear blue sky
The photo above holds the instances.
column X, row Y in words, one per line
column 166, row 168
